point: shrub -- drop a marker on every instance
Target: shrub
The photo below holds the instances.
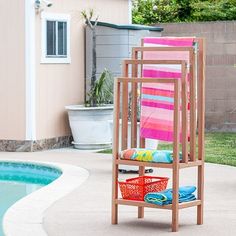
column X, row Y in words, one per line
column 213, row 10
column 154, row 11
column 160, row 11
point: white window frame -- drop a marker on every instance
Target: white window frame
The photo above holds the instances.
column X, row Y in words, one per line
column 54, row 17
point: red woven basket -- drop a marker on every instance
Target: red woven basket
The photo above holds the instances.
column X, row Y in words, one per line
column 137, row 188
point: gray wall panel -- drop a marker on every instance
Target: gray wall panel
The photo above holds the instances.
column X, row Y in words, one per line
column 112, row 39
column 112, row 47
column 113, row 51
column 101, row 30
column 112, row 64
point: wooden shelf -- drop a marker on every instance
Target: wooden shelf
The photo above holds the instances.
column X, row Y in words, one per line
column 159, row 165
column 166, row 207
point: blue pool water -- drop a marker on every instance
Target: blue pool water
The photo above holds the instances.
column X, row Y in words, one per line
column 18, row 179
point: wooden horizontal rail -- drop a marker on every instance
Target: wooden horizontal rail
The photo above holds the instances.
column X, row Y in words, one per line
column 141, row 204
column 144, row 163
column 191, row 164
column 143, row 62
column 190, row 204
column 165, row 207
column 147, row 80
column 174, row 49
column 159, row 165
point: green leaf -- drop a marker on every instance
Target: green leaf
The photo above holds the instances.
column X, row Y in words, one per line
column 102, row 91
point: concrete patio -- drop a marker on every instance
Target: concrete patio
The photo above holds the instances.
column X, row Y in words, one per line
column 86, row 211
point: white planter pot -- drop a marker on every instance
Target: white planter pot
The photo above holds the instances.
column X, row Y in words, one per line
column 90, row 127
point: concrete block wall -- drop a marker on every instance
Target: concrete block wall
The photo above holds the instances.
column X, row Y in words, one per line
column 220, row 69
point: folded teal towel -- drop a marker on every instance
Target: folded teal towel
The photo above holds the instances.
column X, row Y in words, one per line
column 165, row 197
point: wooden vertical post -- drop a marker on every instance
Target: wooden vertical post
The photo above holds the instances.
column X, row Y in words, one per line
column 175, row 202
column 134, row 104
column 193, row 122
column 141, row 140
column 201, row 127
column 125, row 96
column 184, row 104
column 114, row 217
column 141, row 209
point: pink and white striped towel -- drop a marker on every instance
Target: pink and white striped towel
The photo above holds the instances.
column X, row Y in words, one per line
column 157, row 101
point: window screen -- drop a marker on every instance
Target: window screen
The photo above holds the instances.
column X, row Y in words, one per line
column 62, row 38
column 51, row 38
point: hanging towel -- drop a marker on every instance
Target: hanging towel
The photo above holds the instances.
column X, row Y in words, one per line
column 165, row 197
column 157, row 101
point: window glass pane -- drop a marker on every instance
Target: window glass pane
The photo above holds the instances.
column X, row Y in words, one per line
column 62, row 38
column 51, row 38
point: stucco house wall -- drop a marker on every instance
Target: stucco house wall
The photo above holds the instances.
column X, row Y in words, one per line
column 62, row 84
column 12, row 70
column 33, row 94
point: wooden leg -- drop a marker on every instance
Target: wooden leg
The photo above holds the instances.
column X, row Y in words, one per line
column 200, row 194
column 114, row 219
column 200, row 214
column 140, row 212
column 114, row 214
column 141, row 209
column 175, row 202
column 175, row 221
column 175, row 174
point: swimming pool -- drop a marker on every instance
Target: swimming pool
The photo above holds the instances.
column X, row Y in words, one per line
column 18, row 179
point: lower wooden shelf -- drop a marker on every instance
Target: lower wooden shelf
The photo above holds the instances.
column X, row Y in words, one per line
column 145, row 204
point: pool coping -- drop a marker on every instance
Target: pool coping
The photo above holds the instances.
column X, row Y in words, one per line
column 25, row 217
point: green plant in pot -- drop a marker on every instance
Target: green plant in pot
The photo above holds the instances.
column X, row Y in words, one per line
column 101, row 92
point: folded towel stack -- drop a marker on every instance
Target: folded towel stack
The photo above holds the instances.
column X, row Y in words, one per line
column 149, row 155
column 165, row 197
